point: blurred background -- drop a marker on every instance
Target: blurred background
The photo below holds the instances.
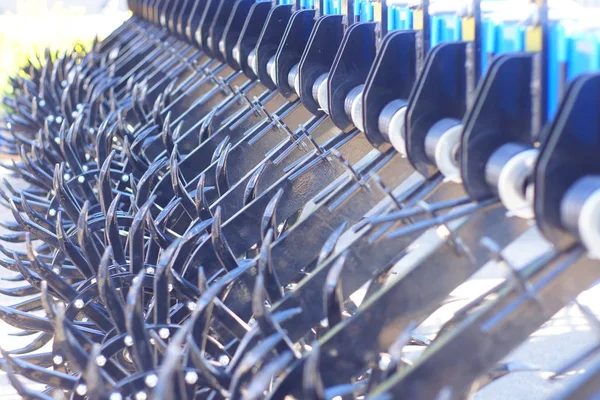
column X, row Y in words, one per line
column 29, row 26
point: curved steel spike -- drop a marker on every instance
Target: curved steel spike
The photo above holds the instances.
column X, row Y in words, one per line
column 168, row 92
column 34, row 215
column 157, row 110
column 178, row 186
column 252, row 360
column 219, row 149
column 105, row 194
column 177, row 132
column 330, row 243
column 25, row 392
column 251, row 190
column 22, row 333
column 165, row 388
column 71, row 250
column 161, row 238
column 333, row 299
column 202, row 206
column 221, row 177
column 31, row 277
column 20, row 291
column 34, row 229
column 16, row 278
column 40, row 341
column 134, row 319
column 86, row 241
column 136, row 238
column 144, row 186
column 312, row 384
column 109, row 296
column 96, row 385
column 47, row 302
column 205, row 129
column 64, row 195
column 264, row 378
column 269, row 217
column 273, row 286
column 217, row 378
column 139, row 164
column 162, row 297
column 222, row 249
column 167, row 134
column 263, row 317
column 111, row 233
column 23, row 320
column 67, row 342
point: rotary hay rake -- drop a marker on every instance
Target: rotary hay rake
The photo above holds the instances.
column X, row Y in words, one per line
column 211, row 185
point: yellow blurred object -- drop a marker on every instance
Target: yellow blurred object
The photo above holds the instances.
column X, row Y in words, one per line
column 36, row 26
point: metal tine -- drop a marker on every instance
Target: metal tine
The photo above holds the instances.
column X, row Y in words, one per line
column 167, row 371
column 172, row 358
column 96, row 385
column 329, row 245
column 162, row 297
column 190, row 239
column 66, row 291
column 182, row 286
column 332, row 292
column 167, row 133
column 381, row 372
column 205, row 130
column 35, row 216
column 64, row 194
column 34, row 229
column 87, row 241
column 160, row 237
column 37, row 343
column 263, row 316
column 263, row 380
column 70, row 352
column 368, row 312
column 39, row 374
column 23, row 390
column 221, row 176
column 15, row 278
column 145, row 183
column 31, row 277
column 215, row 378
column 269, row 217
column 219, row 149
column 179, row 186
column 253, row 360
column 136, row 237
column 134, row 318
column 203, row 209
column 254, row 335
column 222, row 250
column 251, row 190
column 20, row 291
column 157, row 110
column 273, row 286
column 312, row 384
column 72, row 251
column 108, row 293
column 112, row 235
column 105, row 191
